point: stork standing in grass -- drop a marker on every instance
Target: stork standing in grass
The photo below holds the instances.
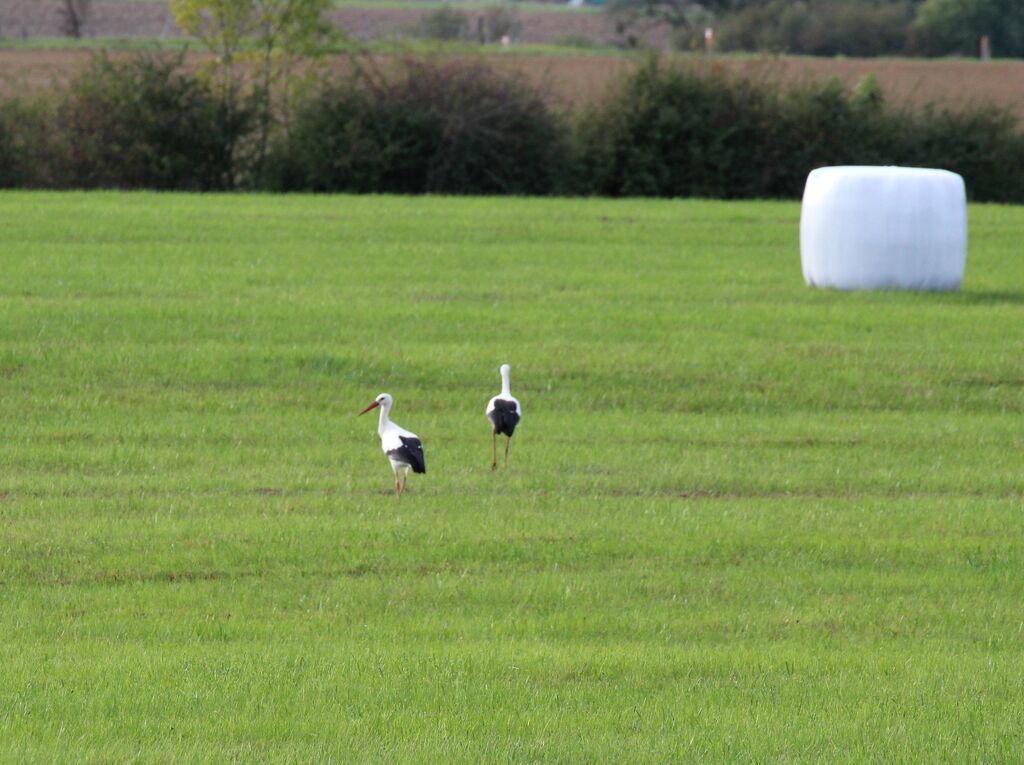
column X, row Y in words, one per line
column 404, row 449
column 504, row 412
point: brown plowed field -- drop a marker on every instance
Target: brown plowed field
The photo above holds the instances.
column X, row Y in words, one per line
column 572, row 80
column 577, row 80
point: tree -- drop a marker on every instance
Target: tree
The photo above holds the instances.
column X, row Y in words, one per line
column 956, row 26
column 681, row 14
column 258, row 44
column 74, row 14
column 821, row 28
column 686, row 14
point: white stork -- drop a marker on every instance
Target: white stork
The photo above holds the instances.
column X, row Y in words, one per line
column 504, row 412
column 404, row 449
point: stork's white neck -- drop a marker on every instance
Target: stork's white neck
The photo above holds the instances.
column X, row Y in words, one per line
column 384, row 420
column 505, row 389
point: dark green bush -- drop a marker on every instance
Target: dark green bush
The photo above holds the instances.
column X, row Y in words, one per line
column 14, row 169
column 948, row 27
column 445, row 23
column 432, row 126
column 674, row 131
column 818, row 28
column 680, row 131
column 142, row 122
column 823, row 124
column 984, row 145
column 29, row 144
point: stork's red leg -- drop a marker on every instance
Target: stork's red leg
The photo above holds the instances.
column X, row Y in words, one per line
column 494, row 449
column 508, row 443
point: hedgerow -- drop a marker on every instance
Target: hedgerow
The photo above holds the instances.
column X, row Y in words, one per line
column 458, row 126
column 678, row 131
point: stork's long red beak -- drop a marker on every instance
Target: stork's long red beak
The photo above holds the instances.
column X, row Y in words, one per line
column 374, row 405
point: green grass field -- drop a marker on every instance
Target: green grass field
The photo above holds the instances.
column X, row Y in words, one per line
column 744, row 521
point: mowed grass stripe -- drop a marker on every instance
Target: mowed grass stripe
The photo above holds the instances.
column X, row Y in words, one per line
column 743, row 520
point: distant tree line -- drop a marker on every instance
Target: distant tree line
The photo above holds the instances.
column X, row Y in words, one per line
column 846, row 27
column 811, row 27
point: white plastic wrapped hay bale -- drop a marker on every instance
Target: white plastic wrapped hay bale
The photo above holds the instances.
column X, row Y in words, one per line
column 868, row 228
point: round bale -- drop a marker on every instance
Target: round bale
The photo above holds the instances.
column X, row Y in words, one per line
column 869, row 228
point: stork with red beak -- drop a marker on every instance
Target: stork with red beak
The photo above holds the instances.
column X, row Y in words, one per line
column 404, row 449
column 504, row 412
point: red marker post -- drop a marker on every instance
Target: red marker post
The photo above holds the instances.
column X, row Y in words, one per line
column 709, row 40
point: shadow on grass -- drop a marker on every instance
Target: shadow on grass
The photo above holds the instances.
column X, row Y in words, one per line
column 886, row 296
column 999, row 297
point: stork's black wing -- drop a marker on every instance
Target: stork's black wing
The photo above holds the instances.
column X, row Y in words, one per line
column 504, row 417
column 411, row 453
